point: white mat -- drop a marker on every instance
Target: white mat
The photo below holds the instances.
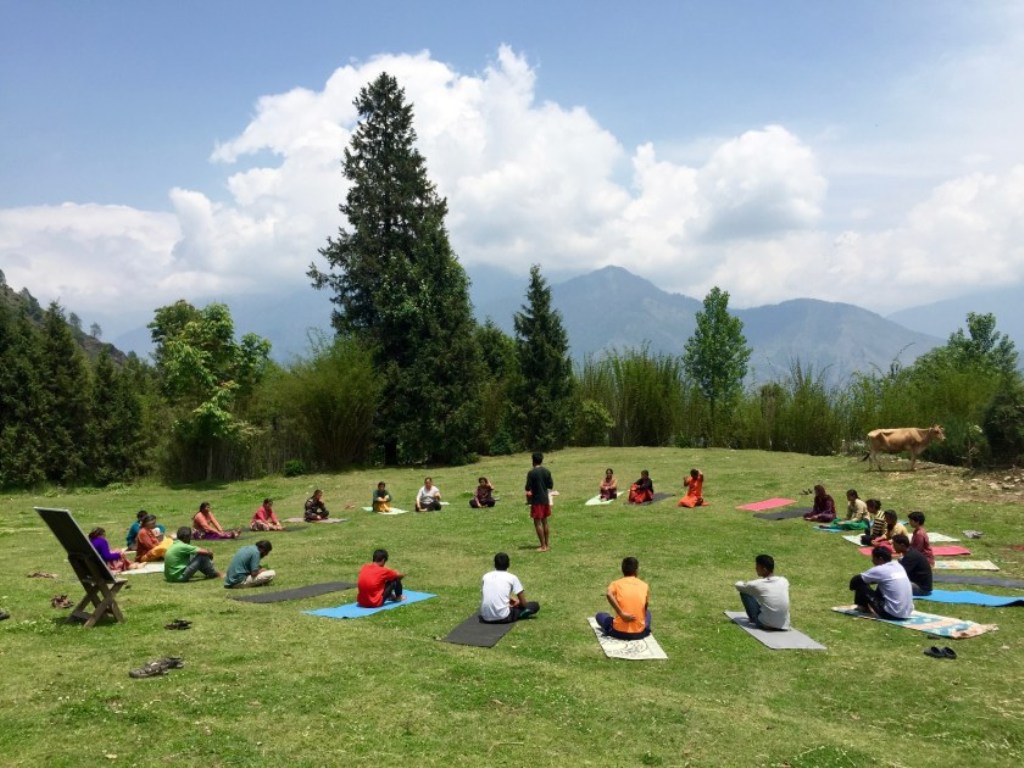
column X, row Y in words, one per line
column 965, row 565
column 598, row 501
column 394, row 511
column 635, row 650
column 144, row 568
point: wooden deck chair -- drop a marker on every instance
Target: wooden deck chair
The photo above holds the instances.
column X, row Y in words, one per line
column 101, row 585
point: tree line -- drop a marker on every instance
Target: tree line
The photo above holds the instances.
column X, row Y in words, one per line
column 409, row 376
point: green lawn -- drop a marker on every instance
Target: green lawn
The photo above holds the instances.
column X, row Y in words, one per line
column 266, row 685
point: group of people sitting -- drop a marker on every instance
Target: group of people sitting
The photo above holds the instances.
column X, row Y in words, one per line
column 897, row 581
column 642, row 490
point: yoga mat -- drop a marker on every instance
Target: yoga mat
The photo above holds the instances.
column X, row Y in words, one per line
column 949, row 551
column 967, row 597
column 657, row 497
column 965, row 565
column 929, row 623
column 634, row 650
column 853, row 538
column 819, row 529
column 940, row 538
column 311, row 590
column 596, row 501
column 760, row 506
column 353, row 611
column 394, row 511
column 314, row 522
column 478, row 633
column 977, row 581
column 145, row 568
column 784, row 514
column 785, row 640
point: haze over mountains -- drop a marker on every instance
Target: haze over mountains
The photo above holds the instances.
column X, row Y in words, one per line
column 611, row 308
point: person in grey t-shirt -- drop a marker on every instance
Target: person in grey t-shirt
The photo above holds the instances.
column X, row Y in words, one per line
column 766, row 598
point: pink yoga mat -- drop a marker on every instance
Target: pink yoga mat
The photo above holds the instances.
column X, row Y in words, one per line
column 759, row 506
column 949, row 551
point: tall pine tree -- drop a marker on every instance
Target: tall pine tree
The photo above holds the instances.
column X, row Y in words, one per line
column 66, row 387
column 21, row 402
column 118, row 445
column 398, row 285
column 544, row 395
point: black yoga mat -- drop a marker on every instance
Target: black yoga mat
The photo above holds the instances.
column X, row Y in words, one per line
column 478, row 633
column 782, row 514
column 979, row 581
column 298, row 593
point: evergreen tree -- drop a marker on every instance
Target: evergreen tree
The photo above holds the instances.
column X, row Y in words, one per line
column 500, row 375
column 118, row 447
column 716, row 356
column 544, row 397
column 66, row 387
column 398, row 285
column 21, row 402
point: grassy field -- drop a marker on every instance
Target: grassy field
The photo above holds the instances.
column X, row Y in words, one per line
column 266, row 685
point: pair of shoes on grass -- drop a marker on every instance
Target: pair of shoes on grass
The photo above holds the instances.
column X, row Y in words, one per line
column 940, row 653
column 158, row 667
column 178, row 624
column 41, row 575
column 60, row 601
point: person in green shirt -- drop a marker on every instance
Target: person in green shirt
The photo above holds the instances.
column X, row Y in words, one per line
column 245, row 569
column 183, row 559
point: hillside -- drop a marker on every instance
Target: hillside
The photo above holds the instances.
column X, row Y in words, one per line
column 18, row 301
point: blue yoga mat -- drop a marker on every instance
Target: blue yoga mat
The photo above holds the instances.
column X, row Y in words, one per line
column 828, row 530
column 354, row 611
column 968, row 597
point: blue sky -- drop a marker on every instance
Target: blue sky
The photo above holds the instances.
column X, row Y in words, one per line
column 845, row 151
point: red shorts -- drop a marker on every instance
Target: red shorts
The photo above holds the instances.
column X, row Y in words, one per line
column 540, row 511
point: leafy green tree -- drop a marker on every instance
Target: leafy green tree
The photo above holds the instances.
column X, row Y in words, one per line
column 398, row 286
column 205, row 373
column 322, row 407
column 544, row 397
column 716, row 356
column 66, row 387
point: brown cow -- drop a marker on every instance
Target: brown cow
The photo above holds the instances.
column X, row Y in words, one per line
column 910, row 439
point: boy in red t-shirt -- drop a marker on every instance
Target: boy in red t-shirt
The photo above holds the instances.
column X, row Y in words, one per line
column 378, row 585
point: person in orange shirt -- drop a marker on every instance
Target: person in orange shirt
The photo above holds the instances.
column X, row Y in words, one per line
column 206, row 526
column 629, row 597
column 694, row 490
column 151, row 544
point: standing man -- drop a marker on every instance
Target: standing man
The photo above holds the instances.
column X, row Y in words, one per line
column 766, row 598
column 245, row 569
column 503, row 599
column 893, row 599
column 538, row 485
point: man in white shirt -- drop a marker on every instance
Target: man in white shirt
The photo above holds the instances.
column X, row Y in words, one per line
column 429, row 497
column 503, row 599
column 766, row 599
column 894, row 597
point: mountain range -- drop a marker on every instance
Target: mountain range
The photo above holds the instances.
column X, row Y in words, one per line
column 611, row 308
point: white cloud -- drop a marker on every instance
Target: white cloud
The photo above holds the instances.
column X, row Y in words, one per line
column 526, row 182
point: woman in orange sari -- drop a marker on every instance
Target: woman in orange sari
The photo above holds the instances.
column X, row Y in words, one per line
column 205, row 525
column 694, row 490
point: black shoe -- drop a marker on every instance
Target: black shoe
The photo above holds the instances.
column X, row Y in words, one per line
column 935, row 652
column 948, row 653
column 178, row 624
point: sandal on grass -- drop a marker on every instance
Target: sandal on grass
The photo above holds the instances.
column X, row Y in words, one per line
column 935, row 652
column 158, row 667
column 60, row 601
column 178, row 624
